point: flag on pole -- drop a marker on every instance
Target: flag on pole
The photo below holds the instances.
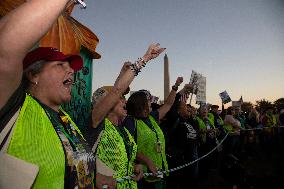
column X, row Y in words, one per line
column 225, row 97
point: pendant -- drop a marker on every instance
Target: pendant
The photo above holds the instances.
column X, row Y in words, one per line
column 159, row 147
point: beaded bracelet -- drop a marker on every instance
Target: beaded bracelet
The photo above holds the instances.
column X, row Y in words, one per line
column 83, row 4
column 174, row 87
column 136, row 68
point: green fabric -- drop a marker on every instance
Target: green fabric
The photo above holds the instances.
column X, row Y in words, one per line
column 160, row 185
column 241, row 120
column 147, row 143
column 79, row 107
column 111, row 151
column 220, row 120
column 211, row 118
column 271, row 120
column 228, row 128
column 35, row 140
column 202, row 127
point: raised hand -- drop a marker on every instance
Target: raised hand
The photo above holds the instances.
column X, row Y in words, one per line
column 154, row 50
column 125, row 67
column 179, row 81
column 152, row 167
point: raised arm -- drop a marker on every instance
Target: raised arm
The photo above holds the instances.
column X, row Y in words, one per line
column 126, row 76
column 170, row 100
column 19, row 31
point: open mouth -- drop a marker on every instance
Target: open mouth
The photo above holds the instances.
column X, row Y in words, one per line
column 68, row 81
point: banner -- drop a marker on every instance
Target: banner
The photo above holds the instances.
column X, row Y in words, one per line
column 194, row 79
column 236, row 103
column 201, row 90
column 79, row 108
column 225, row 97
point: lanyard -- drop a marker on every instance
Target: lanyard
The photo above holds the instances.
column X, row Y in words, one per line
column 58, row 126
column 126, row 141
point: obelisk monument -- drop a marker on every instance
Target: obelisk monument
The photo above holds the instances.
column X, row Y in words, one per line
column 166, row 77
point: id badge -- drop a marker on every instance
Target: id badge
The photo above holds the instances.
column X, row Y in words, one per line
column 159, row 147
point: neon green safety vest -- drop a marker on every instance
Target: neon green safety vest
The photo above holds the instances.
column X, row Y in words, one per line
column 147, row 143
column 211, row 117
column 35, row 140
column 271, row 120
column 220, row 120
column 203, row 128
column 112, row 151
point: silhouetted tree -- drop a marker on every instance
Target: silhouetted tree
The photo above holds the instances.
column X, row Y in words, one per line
column 246, row 106
column 279, row 104
column 263, row 105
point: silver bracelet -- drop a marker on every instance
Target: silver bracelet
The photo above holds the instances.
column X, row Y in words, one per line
column 81, row 2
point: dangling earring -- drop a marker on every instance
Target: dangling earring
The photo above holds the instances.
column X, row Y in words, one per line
column 36, row 83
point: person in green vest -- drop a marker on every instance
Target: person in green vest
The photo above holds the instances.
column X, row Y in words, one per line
column 215, row 116
column 233, row 127
column 208, row 141
column 114, row 147
column 33, row 86
column 112, row 144
column 143, row 124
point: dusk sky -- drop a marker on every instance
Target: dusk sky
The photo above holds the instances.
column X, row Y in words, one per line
column 238, row 45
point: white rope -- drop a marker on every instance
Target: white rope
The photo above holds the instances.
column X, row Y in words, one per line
column 260, row 128
column 160, row 173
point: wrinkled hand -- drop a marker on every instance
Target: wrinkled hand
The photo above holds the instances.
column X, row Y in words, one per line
column 152, row 167
column 102, row 180
column 154, row 50
column 138, row 170
column 179, row 81
column 125, row 67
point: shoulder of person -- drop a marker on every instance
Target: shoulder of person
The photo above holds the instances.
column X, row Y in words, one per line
column 155, row 114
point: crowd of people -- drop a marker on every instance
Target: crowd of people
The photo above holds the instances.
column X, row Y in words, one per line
column 125, row 138
column 214, row 136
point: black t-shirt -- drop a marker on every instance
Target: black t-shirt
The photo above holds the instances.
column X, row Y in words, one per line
column 183, row 137
column 92, row 134
column 129, row 123
column 13, row 104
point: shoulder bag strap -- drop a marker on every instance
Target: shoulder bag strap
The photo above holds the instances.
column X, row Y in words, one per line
column 5, row 135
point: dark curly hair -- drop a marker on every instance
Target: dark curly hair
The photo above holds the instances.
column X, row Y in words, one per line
column 137, row 105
